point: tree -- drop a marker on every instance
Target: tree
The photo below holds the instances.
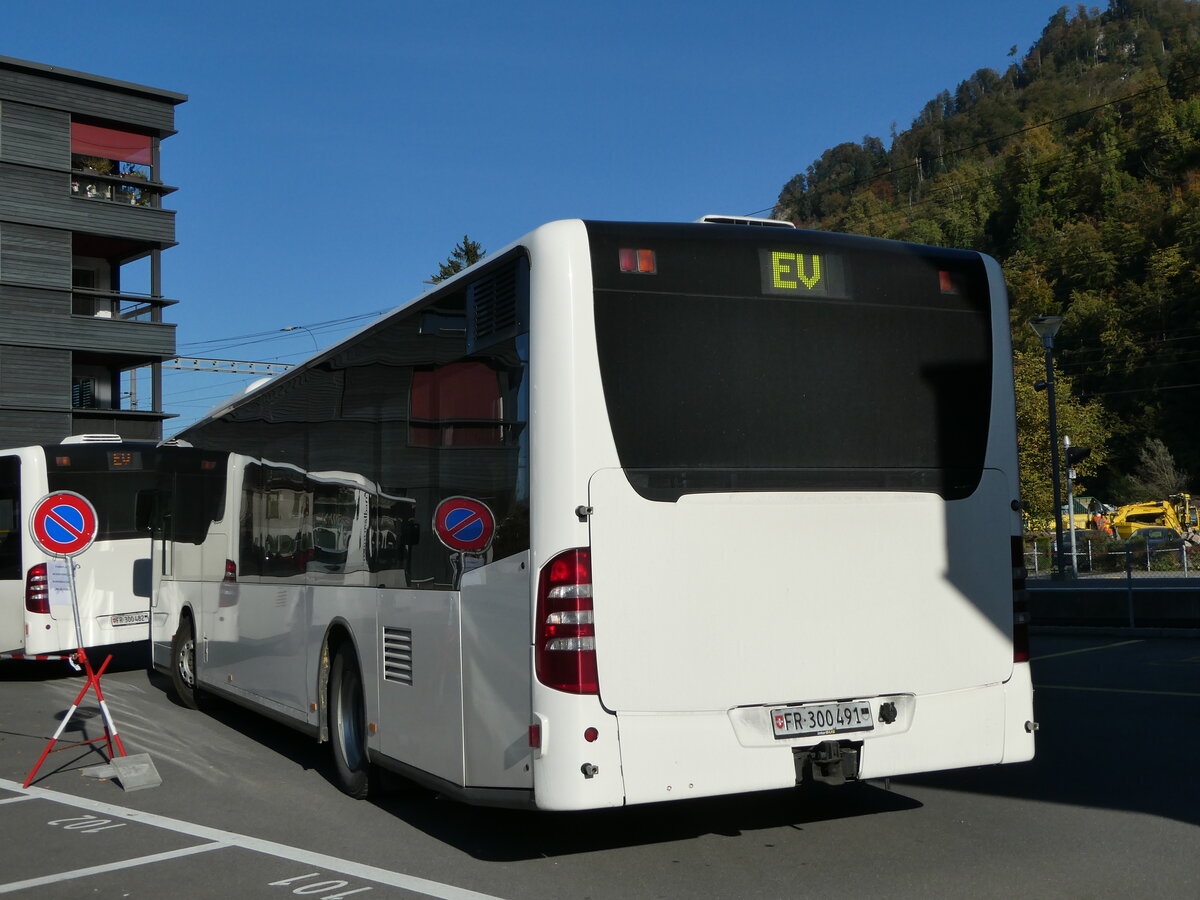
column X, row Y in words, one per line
column 1156, row 478
column 1084, row 421
column 465, row 253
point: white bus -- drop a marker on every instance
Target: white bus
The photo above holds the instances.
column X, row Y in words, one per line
column 113, row 577
column 755, row 512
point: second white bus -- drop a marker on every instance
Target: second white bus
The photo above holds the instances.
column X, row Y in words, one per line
column 122, row 480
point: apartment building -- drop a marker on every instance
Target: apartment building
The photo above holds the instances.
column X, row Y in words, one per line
column 82, row 230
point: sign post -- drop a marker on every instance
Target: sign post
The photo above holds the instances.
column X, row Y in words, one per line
column 64, row 524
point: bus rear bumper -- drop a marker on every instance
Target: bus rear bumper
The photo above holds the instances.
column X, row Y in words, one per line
column 675, row 756
column 975, row 727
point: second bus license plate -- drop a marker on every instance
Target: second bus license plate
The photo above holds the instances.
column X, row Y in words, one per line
column 821, row 718
column 138, row 618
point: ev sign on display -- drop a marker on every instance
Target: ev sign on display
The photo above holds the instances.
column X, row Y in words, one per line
column 63, row 523
column 806, row 273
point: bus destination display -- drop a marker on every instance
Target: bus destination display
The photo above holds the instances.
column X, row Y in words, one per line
column 124, row 459
column 792, row 273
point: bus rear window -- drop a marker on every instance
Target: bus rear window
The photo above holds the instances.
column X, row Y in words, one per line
column 886, row 386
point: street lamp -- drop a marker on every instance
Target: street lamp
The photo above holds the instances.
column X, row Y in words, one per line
column 302, row 328
column 1046, row 328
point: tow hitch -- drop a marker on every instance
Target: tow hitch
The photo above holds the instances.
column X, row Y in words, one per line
column 830, row 762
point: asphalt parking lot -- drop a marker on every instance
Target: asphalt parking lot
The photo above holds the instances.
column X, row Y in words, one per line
column 1110, row 808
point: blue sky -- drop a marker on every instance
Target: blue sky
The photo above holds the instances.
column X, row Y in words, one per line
column 331, row 155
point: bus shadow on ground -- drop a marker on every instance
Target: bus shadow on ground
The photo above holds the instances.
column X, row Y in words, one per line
column 504, row 835
column 510, row 835
column 1082, row 760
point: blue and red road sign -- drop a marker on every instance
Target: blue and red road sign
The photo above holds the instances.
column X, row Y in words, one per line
column 464, row 525
column 63, row 523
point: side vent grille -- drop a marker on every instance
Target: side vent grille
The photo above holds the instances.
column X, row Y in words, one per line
column 494, row 303
column 397, row 655
column 498, row 304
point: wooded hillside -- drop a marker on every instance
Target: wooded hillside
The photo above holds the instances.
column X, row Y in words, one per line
column 1078, row 168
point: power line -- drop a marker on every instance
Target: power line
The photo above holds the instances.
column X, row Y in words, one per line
column 273, row 334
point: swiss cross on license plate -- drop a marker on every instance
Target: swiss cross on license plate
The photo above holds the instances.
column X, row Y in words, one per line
column 821, row 718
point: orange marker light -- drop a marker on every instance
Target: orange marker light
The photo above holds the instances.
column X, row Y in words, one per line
column 642, row 262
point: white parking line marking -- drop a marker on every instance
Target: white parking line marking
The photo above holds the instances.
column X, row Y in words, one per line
column 283, row 851
column 1085, row 650
column 14, row 800
column 107, row 867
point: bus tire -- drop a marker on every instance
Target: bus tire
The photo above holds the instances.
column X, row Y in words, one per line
column 348, row 724
column 183, row 664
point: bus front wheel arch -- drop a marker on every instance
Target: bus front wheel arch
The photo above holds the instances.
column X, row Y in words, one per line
column 183, row 663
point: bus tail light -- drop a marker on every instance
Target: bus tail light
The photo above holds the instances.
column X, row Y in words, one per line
column 565, row 650
column 1020, row 602
column 228, row 593
column 37, row 590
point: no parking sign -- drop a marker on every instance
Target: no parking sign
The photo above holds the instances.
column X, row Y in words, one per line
column 464, row 525
column 63, row 523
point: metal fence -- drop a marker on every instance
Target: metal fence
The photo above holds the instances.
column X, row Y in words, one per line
column 1113, row 559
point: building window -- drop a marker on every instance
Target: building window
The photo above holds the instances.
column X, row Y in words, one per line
column 457, row 405
column 83, row 393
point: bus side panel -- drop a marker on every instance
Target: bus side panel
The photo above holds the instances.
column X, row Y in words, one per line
column 496, row 676
column 253, row 638
column 170, row 598
column 420, row 714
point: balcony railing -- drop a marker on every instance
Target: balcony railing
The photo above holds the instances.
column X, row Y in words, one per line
column 112, row 181
column 123, row 306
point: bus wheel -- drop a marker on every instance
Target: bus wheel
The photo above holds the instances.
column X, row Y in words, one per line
column 348, row 724
column 183, row 664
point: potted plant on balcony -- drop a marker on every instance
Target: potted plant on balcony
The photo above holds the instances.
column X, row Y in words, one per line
column 97, row 164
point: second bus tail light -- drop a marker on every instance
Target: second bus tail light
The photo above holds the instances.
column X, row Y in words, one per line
column 565, row 651
column 37, row 589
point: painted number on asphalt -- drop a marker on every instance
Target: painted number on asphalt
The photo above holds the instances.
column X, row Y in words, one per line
column 317, row 888
column 86, row 824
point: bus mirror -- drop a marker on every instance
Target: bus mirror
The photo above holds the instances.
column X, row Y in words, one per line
column 410, row 532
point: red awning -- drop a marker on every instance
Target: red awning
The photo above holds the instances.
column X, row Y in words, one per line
column 92, row 140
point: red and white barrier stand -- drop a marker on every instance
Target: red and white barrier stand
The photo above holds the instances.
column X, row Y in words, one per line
column 111, row 737
column 64, row 525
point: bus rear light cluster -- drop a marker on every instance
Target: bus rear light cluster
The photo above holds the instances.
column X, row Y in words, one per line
column 642, row 262
column 230, row 570
column 1020, row 602
column 37, row 589
column 565, row 651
